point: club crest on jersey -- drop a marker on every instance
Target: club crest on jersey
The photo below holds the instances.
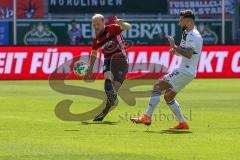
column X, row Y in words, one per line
column 110, row 46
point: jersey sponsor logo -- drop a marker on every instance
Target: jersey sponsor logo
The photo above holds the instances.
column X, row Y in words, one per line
column 106, row 40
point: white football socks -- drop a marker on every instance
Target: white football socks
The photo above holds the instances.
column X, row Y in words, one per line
column 174, row 106
column 154, row 100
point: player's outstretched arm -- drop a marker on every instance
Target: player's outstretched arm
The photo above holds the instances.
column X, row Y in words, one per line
column 123, row 25
column 91, row 62
column 185, row 52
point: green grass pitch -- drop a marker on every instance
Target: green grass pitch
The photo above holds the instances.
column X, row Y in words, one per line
column 29, row 129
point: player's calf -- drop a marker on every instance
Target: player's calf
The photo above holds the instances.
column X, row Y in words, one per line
column 111, row 94
column 176, row 109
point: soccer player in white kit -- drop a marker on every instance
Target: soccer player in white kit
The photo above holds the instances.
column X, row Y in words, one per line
column 172, row 83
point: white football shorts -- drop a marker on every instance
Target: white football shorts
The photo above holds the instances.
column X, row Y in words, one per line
column 178, row 79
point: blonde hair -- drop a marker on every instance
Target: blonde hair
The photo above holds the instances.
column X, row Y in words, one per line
column 98, row 16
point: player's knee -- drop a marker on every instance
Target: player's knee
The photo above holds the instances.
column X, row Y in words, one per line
column 108, row 85
column 156, row 86
column 156, row 89
column 108, row 75
column 116, row 85
column 168, row 98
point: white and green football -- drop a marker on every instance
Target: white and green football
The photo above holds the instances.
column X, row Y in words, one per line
column 80, row 68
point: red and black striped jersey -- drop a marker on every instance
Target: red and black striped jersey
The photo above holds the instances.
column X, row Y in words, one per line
column 110, row 41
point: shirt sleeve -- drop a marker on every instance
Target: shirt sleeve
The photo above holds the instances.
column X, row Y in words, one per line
column 114, row 29
column 191, row 42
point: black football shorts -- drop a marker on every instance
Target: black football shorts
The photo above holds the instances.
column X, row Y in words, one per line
column 118, row 67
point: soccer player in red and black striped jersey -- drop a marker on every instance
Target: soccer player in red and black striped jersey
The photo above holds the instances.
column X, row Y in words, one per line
column 110, row 40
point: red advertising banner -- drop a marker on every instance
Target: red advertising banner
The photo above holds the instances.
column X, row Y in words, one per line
column 145, row 61
column 25, row 9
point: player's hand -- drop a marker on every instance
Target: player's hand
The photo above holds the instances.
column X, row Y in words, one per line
column 119, row 21
column 172, row 51
column 171, row 42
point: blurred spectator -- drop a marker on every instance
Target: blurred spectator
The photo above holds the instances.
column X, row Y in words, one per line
column 163, row 38
column 74, row 34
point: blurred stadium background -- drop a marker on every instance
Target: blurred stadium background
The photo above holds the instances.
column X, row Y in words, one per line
column 37, row 36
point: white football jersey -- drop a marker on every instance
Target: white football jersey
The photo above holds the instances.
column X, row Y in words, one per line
column 191, row 39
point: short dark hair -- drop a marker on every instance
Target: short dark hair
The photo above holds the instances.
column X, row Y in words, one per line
column 187, row 14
